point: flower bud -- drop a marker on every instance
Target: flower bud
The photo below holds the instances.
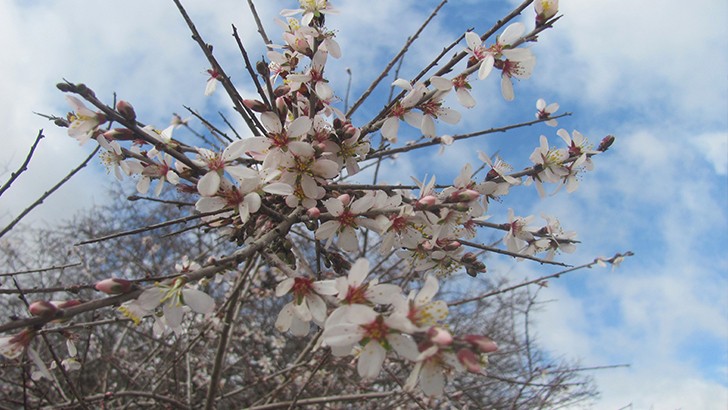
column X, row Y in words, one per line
column 119, row 134
column 545, row 9
column 345, row 199
column 439, row 336
column 483, row 344
column 468, row 359
column 282, row 108
column 281, row 90
column 42, row 308
column 65, row 304
column 114, row 286
column 313, row 213
column 126, row 110
column 426, row 201
column 255, row 105
column 606, row 143
column 262, row 68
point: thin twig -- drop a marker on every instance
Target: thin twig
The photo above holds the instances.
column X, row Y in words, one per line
column 24, row 165
column 394, row 60
column 48, row 193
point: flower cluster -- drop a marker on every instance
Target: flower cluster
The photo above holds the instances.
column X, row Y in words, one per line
column 294, row 161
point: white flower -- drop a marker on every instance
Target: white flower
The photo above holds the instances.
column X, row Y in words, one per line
column 352, row 289
column 419, row 312
column 362, row 323
column 545, row 111
column 173, row 298
column 84, row 122
column 307, row 304
column 518, row 235
column 347, row 217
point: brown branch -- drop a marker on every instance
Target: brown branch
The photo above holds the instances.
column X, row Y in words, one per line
column 540, row 280
column 509, row 253
column 48, row 193
column 223, row 78
column 24, row 165
column 22, row 272
column 437, row 141
column 151, row 227
column 206, row 272
column 394, row 60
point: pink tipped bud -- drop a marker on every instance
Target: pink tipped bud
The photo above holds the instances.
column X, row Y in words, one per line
column 282, row 107
column 345, row 199
column 119, row 134
column 126, row 110
column 467, row 195
column 114, row 286
column 468, row 359
column 606, row 143
column 65, row 304
column 439, row 336
column 281, row 91
column 450, row 245
column 255, row 105
column 484, row 344
column 313, row 213
column 427, row 200
column 42, row 308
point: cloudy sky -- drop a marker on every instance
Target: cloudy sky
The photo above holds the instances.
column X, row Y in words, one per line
column 653, row 73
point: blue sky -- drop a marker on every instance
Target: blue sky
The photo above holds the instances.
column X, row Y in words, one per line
column 653, row 73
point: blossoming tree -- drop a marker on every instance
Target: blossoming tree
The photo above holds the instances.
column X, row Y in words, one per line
column 354, row 268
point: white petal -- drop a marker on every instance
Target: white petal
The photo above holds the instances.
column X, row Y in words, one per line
column 198, row 300
column 473, row 40
column 486, row 66
column 342, row 335
column 348, row 240
column 441, row 83
column 512, row 33
column 299, row 126
column 285, row 286
column 371, row 359
column 359, row 271
column 507, row 88
column 465, row 98
column 209, row 184
column 173, row 314
column 271, row 122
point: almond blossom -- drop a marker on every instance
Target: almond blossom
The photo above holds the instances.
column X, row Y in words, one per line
column 310, row 9
column 347, row 216
column 546, row 111
column 173, row 298
column 402, row 110
column 83, row 122
column 376, row 335
column 217, row 163
column 307, row 304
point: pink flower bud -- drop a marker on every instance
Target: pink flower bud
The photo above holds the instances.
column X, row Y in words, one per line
column 114, row 286
column 126, row 110
column 42, row 308
column 65, row 304
column 484, row 344
column 255, row 105
column 282, row 107
column 313, row 213
column 606, row 143
column 281, row 90
column 345, row 199
column 119, row 134
column 439, row 336
column 469, row 360
column 427, row 200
